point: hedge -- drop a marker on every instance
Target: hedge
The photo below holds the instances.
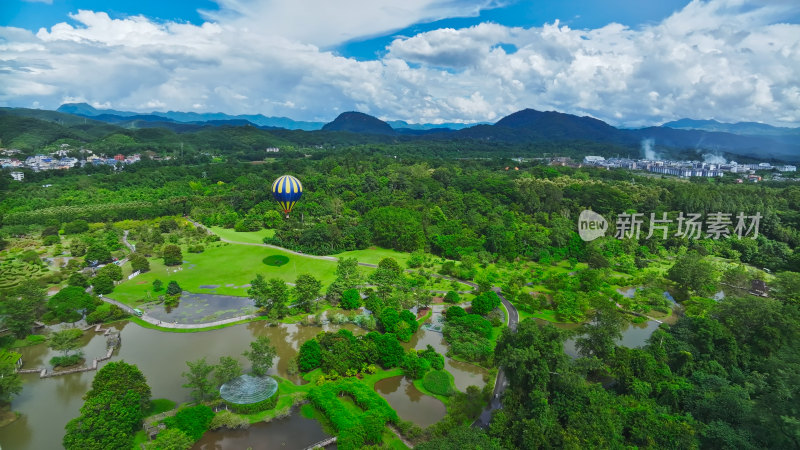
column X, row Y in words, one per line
column 354, row 430
column 251, row 408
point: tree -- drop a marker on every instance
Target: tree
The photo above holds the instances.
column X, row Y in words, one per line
column 112, row 270
column 197, row 379
column 347, row 272
column 102, row 284
column 139, row 263
column 173, row 288
column 107, row 421
column 20, row 316
column 97, row 253
column 76, row 226
column 452, row 297
column 350, row 299
column 158, row 285
column 692, row 273
column 167, row 224
column 786, row 287
column 261, row 354
column 485, row 302
column 172, row 255
column 387, row 276
column 66, row 340
column 170, row 439
column 306, row 291
column 227, row 370
column 78, row 279
column 397, row 228
column 272, row 295
column 10, row 383
column 119, row 377
column 600, row 336
column 193, row 421
column 310, row 356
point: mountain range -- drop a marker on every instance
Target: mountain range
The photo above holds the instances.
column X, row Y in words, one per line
column 529, row 127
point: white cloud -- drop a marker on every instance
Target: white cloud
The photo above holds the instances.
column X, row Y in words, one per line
column 727, row 59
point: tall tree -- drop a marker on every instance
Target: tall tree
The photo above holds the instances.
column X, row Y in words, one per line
column 261, row 354
column 66, row 340
column 197, row 379
column 227, row 370
column 306, row 291
column 271, row 295
column 10, row 383
column 172, row 255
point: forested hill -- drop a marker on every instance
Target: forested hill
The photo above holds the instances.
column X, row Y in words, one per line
column 525, row 133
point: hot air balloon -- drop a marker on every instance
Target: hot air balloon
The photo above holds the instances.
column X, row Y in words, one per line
column 287, row 190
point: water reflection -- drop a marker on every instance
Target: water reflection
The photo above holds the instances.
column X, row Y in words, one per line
column 48, row 404
column 409, row 402
column 292, row 432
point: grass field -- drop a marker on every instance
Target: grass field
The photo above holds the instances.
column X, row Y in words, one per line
column 223, row 264
column 247, row 237
column 374, row 255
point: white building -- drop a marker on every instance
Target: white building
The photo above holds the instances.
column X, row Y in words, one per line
column 788, row 168
column 17, row 175
column 592, row 159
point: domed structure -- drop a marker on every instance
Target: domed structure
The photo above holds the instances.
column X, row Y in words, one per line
column 250, row 394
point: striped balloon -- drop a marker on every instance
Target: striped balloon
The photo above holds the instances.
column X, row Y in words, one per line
column 287, row 190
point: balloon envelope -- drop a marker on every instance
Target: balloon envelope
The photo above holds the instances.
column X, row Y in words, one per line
column 287, row 190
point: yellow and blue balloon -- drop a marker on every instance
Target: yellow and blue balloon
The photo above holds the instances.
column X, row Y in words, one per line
column 287, row 190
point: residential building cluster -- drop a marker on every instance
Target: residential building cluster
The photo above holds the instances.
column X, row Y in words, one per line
column 686, row 168
column 58, row 160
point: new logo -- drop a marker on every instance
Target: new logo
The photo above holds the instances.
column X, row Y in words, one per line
column 591, row 225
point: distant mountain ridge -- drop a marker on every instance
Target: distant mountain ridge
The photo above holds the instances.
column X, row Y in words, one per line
column 357, row 122
column 86, row 110
column 529, row 128
column 740, row 128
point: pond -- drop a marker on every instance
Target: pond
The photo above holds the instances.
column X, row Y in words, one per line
column 409, row 402
column 292, row 432
column 464, row 374
column 633, row 335
column 48, row 404
column 203, row 308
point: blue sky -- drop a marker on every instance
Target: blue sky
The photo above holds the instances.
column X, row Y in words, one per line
column 630, row 63
column 33, row 15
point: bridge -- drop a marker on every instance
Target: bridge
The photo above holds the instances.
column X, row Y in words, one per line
column 322, row 444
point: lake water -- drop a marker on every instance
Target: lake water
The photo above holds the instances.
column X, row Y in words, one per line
column 409, row 402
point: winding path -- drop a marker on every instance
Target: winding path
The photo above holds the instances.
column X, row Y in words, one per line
column 512, row 318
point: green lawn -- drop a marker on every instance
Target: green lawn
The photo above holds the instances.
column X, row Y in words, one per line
column 223, row 264
column 247, row 237
column 373, row 255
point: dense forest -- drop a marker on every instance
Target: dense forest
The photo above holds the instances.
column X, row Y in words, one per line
column 726, row 375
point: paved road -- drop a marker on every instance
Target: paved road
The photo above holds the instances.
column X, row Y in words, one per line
column 501, row 383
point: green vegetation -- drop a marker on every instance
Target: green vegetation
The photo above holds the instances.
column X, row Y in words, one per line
column 113, row 410
column 276, row 260
column 439, row 382
column 355, row 428
column 245, row 237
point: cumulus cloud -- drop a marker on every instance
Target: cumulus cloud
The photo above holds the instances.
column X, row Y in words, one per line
column 726, row 59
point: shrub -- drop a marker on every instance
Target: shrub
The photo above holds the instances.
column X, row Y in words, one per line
column 106, row 313
column 173, row 288
column 350, row 299
column 50, row 240
column 172, row 255
column 276, row 260
column 251, row 408
column 229, row 420
column 66, row 361
column 199, row 248
column 454, row 312
column 438, row 382
column 452, row 297
column 354, row 430
column 158, row 285
column 193, row 421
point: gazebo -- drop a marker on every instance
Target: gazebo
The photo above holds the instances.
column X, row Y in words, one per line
column 249, row 394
